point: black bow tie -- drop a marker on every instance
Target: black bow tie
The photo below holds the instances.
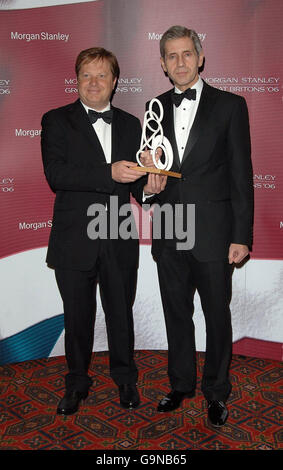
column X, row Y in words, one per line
column 106, row 116
column 190, row 94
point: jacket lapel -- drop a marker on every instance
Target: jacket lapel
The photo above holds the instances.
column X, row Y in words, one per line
column 80, row 121
column 168, row 127
column 203, row 113
column 116, row 135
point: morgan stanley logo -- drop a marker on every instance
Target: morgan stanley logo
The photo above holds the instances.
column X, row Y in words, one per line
column 169, row 222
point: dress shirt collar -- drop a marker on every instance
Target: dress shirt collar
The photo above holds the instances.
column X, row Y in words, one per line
column 99, row 111
column 198, row 86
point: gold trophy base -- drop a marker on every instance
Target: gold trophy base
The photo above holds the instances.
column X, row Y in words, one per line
column 147, row 169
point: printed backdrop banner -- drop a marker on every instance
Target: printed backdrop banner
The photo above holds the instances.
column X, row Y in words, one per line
column 242, row 42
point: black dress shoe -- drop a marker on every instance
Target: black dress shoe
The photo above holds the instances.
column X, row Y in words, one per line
column 173, row 400
column 217, row 413
column 129, row 396
column 70, row 402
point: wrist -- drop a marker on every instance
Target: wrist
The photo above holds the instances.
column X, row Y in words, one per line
column 147, row 192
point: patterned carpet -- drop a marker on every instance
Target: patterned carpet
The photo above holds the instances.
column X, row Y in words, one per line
column 29, row 393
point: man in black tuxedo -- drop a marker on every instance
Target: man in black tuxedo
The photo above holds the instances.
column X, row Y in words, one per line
column 209, row 132
column 88, row 159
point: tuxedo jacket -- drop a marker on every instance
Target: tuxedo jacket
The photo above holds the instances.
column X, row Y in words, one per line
column 77, row 171
column 216, row 173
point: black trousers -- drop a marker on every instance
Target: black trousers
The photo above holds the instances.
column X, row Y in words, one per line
column 180, row 275
column 117, row 292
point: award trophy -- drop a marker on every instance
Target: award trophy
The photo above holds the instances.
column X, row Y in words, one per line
column 155, row 141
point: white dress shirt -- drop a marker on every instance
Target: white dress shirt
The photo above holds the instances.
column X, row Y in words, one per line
column 103, row 132
column 184, row 117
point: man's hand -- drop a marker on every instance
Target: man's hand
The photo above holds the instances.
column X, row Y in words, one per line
column 237, row 253
column 122, row 172
column 146, row 157
column 155, row 184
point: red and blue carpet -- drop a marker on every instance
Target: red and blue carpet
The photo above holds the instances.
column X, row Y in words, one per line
column 30, row 391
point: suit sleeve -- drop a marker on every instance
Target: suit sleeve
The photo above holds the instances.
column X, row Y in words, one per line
column 241, row 175
column 136, row 188
column 60, row 172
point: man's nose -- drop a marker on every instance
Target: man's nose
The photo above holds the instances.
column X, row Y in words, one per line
column 93, row 80
column 180, row 61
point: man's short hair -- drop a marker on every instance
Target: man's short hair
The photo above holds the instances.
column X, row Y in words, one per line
column 176, row 32
column 97, row 53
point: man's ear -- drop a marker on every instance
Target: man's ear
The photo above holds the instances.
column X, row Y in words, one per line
column 163, row 64
column 200, row 59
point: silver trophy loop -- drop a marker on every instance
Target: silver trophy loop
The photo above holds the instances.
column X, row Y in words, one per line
column 157, row 138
